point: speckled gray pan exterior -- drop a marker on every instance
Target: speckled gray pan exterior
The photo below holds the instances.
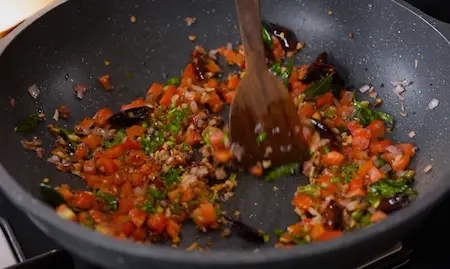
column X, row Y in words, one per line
column 70, row 44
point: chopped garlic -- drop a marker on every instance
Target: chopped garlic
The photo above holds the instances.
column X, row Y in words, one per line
column 433, row 103
column 412, row 134
column 428, row 168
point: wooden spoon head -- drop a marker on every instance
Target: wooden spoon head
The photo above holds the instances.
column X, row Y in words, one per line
column 264, row 122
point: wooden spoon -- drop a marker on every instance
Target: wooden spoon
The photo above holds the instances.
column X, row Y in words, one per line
column 264, row 123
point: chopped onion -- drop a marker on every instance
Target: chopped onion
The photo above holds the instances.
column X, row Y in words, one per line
column 34, row 91
column 394, row 150
column 412, row 134
column 385, row 168
column 138, row 191
column 229, row 46
column 56, row 115
column 403, row 83
column 433, row 103
column 399, row 89
column 352, row 205
column 212, row 54
column 416, row 63
column 193, row 106
column 80, row 89
column 428, row 168
column 364, row 88
column 198, row 88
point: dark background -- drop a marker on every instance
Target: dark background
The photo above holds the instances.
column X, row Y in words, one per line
column 429, row 241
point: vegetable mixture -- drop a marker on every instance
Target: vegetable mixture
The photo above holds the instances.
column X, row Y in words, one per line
column 166, row 158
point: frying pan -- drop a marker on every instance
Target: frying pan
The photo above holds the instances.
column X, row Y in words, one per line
column 70, row 43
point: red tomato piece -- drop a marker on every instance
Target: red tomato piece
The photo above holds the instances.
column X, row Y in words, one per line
column 102, row 116
column 157, row 222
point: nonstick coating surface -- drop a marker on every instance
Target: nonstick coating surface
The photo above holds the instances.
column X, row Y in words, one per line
column 70, row 44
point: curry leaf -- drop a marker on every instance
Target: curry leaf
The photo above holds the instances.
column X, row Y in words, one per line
column 320, row 87
column 284, row 170
column 28, row 124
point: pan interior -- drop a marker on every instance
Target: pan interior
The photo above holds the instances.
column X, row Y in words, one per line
column 70, row 45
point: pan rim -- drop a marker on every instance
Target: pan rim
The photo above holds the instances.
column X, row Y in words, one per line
column 42, row 212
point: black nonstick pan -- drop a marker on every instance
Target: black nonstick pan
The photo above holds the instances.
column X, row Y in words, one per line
column 69, row 44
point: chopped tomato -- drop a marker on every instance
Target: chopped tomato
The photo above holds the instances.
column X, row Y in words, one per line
column 157, row 222
column 204, row 215
column 104, row 81
column 326, row 99
column 328, row 235
column 83, row 200
column 344, row 111
column 135, row 131
column 376, row 128
column 212, row 66
column 89, row 167
column 131, row 143
column 374, row 174
column 106, row 165
column 173, row 229
column 302, row 201
column 125, row 205
column 138, row 217
column 408, row 149
column 140, row 234
column 139, row 102
column 364, row 168
column 92, row 141
column 114, row 152
column 355, row 184
column 166, row 98
column 233, row 82
column 354, row 125
column 102, row 116
column 189, row 72
column 378, row 216
column 126, row 190
column 257, row 170
column 361, row 138
column 81, row 152
column 317, row 231
column 222, row 156
column 333, row 158
column 377, row 147
column 86, row 123
column 346, row 98
column 400, row 163
column 298, row 87
column 306, row 110
column 155, row 91
column 228, row 96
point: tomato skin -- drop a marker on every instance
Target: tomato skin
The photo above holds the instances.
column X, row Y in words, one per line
column 140, row 234
column 126, row 190
column 374, row 174
column 333, row 158
column 407, row 149
column 376, row 128
column 346, row 98
column 166, row 98
column 89, row 167
column 102, row 116
column 326, row 99
column 354, row 125
column 83, row 200
column 157, row 222
column 114, row 152
column 131, row 143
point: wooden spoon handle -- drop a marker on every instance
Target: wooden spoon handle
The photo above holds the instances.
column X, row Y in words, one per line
column 249, row 16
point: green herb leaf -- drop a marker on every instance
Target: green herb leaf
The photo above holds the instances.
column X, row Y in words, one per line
column 266, row 35
column 110, row 200
column 275, row 69
column 284, row 170
column 278, row 232
column 348, row 172
column 156, row 194
column 148, row 206
column 287, row 73
column 261, row 137
column 320, row 87
column 389, row 187
column 365, row 115
column 174, row 81
column 172, row 176
column 28, row 124
column 310, row 189
column 118, row 139
column 51, row 196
